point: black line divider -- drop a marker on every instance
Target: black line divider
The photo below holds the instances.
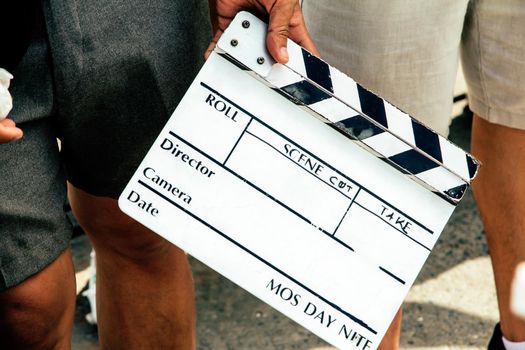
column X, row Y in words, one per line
column 237, row 142
column 391, row 275
column 395, row 228
column 346, row 212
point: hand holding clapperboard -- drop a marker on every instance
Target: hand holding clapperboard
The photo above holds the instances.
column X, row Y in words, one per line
column 299, row 185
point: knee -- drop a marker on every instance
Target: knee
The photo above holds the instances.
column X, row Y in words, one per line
column 125, row 237
column 38, row 313
column 28, row 323
column 114, row 233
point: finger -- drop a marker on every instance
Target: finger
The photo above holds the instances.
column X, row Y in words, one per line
column 278, row 29
column 212, row 44
column 9, row 131
column 226, row 11
column 222, row 14
column 299, row 33
column 10, row 134
column 7, row 122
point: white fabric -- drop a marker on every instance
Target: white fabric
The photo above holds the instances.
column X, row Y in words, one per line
column 6, row 101
column 509, row 345
column 517, row 302
column 407, row 52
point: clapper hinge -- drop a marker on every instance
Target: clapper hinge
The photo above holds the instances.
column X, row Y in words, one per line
column 244, row 44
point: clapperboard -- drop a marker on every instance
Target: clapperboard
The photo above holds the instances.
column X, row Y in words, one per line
column 300, row 185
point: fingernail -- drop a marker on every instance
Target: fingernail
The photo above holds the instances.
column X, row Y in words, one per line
column 283, row 52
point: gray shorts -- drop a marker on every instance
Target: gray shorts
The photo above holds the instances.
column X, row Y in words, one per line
column 407, row 51
column 103, row 76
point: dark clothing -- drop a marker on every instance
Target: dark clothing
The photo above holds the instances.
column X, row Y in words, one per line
column 16, row 28
column 103, row 76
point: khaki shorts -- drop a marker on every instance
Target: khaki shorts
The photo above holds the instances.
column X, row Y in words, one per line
column 407, row 52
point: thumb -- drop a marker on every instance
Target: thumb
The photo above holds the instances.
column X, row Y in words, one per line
column 279, row 29
column 9, row 131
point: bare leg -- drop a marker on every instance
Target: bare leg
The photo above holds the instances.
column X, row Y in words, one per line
column 144, row 283
column 500, row 193
column 39, row 312
column 391, row 339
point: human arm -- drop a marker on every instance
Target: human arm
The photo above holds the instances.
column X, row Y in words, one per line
column 285, row 20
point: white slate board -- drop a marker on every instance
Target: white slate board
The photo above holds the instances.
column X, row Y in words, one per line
column 286, row 206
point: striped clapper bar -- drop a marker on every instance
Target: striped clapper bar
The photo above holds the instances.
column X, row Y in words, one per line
column 299, row 185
